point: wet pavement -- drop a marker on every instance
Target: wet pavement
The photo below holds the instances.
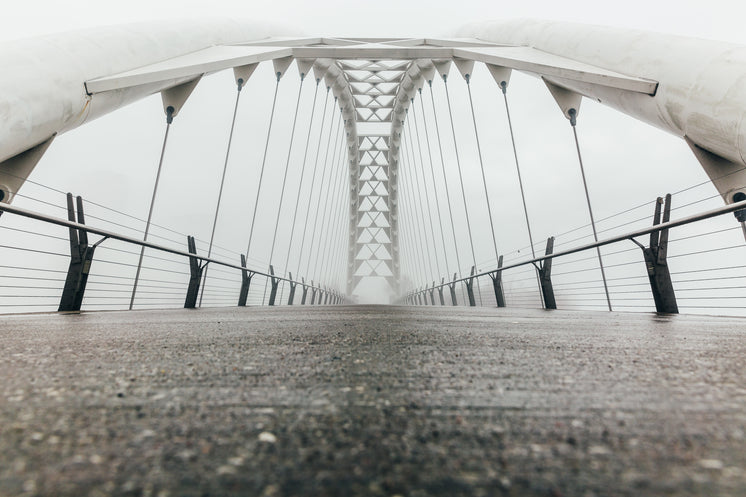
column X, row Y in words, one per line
column 372, row 400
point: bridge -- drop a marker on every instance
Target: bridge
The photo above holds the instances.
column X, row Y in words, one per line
column 397, row 171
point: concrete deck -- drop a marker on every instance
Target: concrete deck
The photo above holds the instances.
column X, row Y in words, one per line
column 371, row 401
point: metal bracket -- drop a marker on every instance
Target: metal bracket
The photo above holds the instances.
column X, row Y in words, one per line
column 14, row 171
column 470, row 287
column 175, row 97
column 81, row 257
column 567, row 100
column 545, row 277
column 497, row 283
column 195, row 270
column 246, row 276
column 501, row 75
column 655, row 261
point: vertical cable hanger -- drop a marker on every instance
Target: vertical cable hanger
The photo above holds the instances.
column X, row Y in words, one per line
column 467, row 77
column 300, row 183
column 569, row 103
column 461, row 179
column 573, row 121
column 424, row 185
column 264, row 163
column 502, row 75
column 414, row 181
column 313, row 177
column 445, row 182
column 413, row 228
column 321, row 188
column 284, row 178
column 328, row 167
column 169, row 120
column 333, row 190
column 239, row 86
column 432, row 176
column 339, row 188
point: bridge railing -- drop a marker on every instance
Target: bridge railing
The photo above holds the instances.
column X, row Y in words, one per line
column 638, row 275
column 102, row 260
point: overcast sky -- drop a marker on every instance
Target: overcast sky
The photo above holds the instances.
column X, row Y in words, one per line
column 715, row 19
column 114, row 154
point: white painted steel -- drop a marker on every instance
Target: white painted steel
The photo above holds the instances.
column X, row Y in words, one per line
column 702, row 83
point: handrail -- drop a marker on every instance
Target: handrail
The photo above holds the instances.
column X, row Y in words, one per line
column 607, row 241
column 124, row 238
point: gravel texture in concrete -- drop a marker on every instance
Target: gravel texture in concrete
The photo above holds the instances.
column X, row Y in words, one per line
column 371, row 400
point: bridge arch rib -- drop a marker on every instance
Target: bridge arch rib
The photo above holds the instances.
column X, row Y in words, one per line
column 647, row 76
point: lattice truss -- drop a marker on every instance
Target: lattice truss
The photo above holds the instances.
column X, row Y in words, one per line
column 374, row 250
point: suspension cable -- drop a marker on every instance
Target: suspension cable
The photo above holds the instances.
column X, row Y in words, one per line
column 432, row 176
column 481, row 167
column 504, row 87
column 287, row 166
column 300, row 183
column 330, row 230
column 324, row 233
column 445, row 179
column 239, row 86
column 414, row 181
column 424, row 185
column 169, row 120
column 264, row 162
column 328, row 166
column 321, row 190
column 573, row 121
column 284, row 179
column 313, row 177
column 461, row 181
column 335, row 226
column 417, row 225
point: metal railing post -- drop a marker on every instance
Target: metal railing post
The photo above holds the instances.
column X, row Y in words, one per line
column 246, row 276
column 292, row 288
column 545, row 277
column 470, row 287
column 81, row 257
column 452, row 287
column 655, row 261
column 305, row 291
column 497, row 283
column 275, row 282
column 195, row 270
column 440, row 291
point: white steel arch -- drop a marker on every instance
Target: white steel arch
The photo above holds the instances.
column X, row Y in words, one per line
column 693, row 88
